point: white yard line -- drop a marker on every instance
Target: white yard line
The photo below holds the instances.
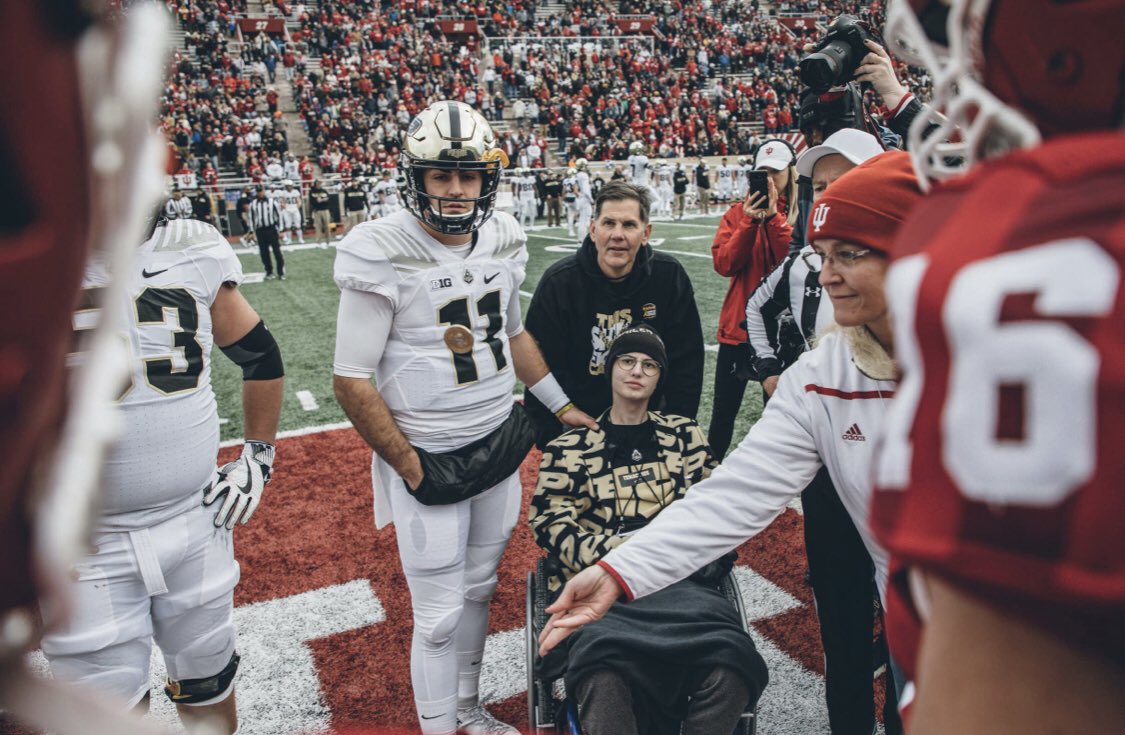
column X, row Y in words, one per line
column 308, row 402
column 695, row 237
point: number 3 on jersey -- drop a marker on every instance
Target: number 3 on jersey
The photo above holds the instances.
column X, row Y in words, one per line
column 1042, row 362
column 151, row 308
column 457, row 312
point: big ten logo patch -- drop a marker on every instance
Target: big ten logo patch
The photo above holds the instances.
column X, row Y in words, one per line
column 607, row 327
column 436, row 284
column 648, row 311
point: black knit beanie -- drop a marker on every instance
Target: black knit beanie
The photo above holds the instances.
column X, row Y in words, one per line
column 639, row 338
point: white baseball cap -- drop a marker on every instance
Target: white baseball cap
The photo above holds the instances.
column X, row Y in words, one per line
column 773, row 154
column 854, row 145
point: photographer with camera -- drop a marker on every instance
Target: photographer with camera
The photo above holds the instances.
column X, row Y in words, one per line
column 751, row 240
column 850, row 54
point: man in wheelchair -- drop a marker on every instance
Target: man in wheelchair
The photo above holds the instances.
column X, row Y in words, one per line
column 679, row 660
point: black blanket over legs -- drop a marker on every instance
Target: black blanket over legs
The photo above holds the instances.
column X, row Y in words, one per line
column 665, row 644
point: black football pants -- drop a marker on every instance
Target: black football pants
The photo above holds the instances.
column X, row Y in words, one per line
column 730, row 388
column 268, row 240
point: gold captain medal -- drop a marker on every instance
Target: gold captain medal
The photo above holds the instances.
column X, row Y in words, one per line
column 459, row 339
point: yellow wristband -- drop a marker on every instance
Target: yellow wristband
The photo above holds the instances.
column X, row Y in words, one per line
column 564, row 409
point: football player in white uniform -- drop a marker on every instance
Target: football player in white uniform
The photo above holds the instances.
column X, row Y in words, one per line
column 524, row 184
column 664, row 189
column 726, row 179
column 386, row 195
column 291, row 221
column 570, row 199
column 429, row 305
column 742, row 178
column 162, row 565
column 638, row 164
column 585, row 199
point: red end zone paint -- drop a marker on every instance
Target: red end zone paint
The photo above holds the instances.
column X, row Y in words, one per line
column 315, row 528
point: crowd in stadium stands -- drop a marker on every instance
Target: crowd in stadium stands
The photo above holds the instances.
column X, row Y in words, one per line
column 220, row 109
column 686, row 90
column 377, row 69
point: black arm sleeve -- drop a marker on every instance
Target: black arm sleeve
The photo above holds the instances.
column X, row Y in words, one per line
column 901, row 122
column 257, row 354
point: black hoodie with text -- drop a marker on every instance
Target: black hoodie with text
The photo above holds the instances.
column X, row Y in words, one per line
column 577, row 312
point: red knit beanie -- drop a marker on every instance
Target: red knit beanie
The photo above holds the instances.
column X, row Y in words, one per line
column 867, row 204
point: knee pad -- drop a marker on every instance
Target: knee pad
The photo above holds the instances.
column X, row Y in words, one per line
column 481, row 591
column 437, row 629
column 205, row 690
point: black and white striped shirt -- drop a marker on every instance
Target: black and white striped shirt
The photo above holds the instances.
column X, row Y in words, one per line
column 792, row 287
column 264, row 213
column 178, row 208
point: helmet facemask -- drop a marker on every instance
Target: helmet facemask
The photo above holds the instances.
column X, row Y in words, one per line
column 451, row 136
column 432, row 209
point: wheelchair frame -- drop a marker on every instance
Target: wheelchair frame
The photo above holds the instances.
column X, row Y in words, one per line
column 542, row 707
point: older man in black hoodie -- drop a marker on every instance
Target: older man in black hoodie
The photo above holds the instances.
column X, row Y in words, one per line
column 584, row 301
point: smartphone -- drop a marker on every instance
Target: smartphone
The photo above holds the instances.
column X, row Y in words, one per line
column 759, row 183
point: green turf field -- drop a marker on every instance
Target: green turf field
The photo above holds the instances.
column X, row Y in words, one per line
column 301, row 312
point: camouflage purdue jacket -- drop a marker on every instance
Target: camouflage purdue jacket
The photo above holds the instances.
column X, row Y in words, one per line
column 584, row 498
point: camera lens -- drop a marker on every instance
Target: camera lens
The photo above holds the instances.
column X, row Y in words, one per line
column 827, row 67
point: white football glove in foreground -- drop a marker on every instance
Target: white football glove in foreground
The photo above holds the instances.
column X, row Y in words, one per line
column 242, row 481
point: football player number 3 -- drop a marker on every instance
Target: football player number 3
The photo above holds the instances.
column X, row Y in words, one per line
column 160, row 372
column 457, row 312
column 1052, row 366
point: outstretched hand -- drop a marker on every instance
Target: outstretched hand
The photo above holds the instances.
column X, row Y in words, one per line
column 585, row 598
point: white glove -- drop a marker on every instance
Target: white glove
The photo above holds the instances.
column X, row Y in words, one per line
column 242, row 481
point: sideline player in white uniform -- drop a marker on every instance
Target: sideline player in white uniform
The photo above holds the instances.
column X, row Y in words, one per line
column 386, row 196
column 664, row 189
column 291, row 221
column 429, row 305
column 524, row 183
column 742, row 178
column 725, row 181
column 585, row 197
column 639, row 168
column 570, row 199
column 163, row 565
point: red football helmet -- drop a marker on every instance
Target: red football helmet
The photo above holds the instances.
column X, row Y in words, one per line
column 82, row 163
column 1008, row 72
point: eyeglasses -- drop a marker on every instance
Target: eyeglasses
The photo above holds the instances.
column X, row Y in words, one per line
column 842, row 259
column 628, row 362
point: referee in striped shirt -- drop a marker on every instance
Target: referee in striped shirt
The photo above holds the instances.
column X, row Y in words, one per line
column 265, row 217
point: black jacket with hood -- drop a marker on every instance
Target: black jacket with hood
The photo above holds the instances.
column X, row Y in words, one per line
column 577, row 312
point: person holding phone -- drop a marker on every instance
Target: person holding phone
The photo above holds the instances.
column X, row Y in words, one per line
column 753, row 238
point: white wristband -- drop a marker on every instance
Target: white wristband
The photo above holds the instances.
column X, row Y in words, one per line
column 550, row 393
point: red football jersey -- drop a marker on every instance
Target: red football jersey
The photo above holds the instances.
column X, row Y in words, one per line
column 1002, row 468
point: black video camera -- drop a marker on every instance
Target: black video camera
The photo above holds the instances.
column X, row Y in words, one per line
column 838, row 54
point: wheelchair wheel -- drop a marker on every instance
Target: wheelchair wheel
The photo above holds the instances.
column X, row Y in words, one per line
column 748, row 724
column 541, row 705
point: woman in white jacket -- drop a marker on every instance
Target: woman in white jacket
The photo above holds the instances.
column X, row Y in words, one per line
column 827, row 412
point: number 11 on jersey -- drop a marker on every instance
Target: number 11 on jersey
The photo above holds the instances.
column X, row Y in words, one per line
column 456, row 313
